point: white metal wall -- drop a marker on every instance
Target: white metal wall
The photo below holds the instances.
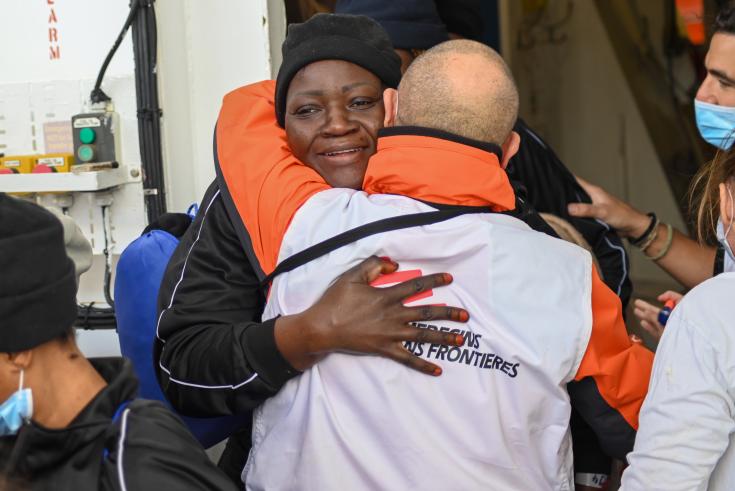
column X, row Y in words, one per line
column 50, row 54
column 206, row 50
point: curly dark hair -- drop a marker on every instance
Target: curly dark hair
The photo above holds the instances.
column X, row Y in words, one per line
column 725, row 20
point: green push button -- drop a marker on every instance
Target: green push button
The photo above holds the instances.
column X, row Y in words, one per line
column 87, row 135
column 85, row 153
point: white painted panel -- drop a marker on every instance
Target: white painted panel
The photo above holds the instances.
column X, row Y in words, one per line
column 207, row 49
column 86, row 30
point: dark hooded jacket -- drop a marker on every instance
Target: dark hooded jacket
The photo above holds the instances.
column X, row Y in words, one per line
column 115, row 443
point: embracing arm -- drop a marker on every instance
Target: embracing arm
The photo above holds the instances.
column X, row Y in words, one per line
column 213, row 355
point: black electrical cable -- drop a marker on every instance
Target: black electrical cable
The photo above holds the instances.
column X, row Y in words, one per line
column 108, row 261
column 89, row 316
column 142, row 19
column 98, row 95
column 149, row 112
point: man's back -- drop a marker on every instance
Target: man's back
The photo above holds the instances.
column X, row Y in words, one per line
column 498, row 416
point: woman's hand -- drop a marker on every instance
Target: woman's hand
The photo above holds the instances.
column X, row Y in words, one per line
column 647, row 314
column 625, row 219
column 355, row 317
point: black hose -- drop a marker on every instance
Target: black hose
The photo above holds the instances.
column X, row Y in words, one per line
column 149, row 112
column 97, row 94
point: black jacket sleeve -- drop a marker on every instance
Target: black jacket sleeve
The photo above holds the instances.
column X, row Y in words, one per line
column 549, row 187
column 159, row 453
column 213, row 356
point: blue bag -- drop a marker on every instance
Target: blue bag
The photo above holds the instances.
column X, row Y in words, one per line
column 138, row 279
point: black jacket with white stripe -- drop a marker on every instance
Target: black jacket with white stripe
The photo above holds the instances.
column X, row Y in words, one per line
column 115, row 443
column 549, row 187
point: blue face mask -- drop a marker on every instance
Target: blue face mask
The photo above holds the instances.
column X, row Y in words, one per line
column 716, row 124
column 15, row 410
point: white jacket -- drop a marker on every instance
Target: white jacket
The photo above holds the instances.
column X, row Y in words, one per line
column 498, row 417
column 544, row 329
column 687, row 423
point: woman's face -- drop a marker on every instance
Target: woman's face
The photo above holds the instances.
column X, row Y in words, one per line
column 334, row 110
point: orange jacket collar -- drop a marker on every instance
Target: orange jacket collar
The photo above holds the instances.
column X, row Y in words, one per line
column 438, row 167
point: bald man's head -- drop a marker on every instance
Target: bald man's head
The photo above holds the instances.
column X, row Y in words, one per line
column 462, row 87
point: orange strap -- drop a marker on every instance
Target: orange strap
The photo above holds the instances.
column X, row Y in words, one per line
column 621, row 369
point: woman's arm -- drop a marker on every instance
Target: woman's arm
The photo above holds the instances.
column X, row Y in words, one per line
column 687, row 261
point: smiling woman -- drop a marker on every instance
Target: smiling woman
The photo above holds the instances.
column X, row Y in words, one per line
column 334, row 110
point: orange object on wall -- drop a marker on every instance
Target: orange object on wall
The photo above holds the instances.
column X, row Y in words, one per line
column 691, row 19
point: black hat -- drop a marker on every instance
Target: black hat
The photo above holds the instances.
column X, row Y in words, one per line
column 352, row 38
column 37, row 281
column 411, row 24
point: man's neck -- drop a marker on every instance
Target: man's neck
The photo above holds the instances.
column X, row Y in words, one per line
column 70, row 384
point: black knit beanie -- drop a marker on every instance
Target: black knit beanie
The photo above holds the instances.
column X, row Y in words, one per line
column 411, row 24
column 37, row 282
column 353, row 38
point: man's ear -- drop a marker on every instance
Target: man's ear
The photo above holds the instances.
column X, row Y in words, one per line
column 510, row 148
column 390, row 101
column 21, row 359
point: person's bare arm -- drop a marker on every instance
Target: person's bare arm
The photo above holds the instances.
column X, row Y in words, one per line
column 689, row 262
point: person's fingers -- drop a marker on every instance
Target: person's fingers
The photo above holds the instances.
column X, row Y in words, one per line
column 595, row 192
column 584, row 210
column 371, row 268
column 670, row 295
column 645, row 306
column 398, row 353
column 649, row 313
column 433, row 313
column 418, row 285
column 430, row 336
column 635, row 339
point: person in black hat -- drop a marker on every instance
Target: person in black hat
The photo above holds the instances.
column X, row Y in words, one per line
column 67, row 422
column 213, row 355
column 413, row 25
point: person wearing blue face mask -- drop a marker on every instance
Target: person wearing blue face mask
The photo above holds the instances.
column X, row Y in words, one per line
column 688, row 261
column 714, row 104
column 16, row 410
column 685, row 439
column 66, row 422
